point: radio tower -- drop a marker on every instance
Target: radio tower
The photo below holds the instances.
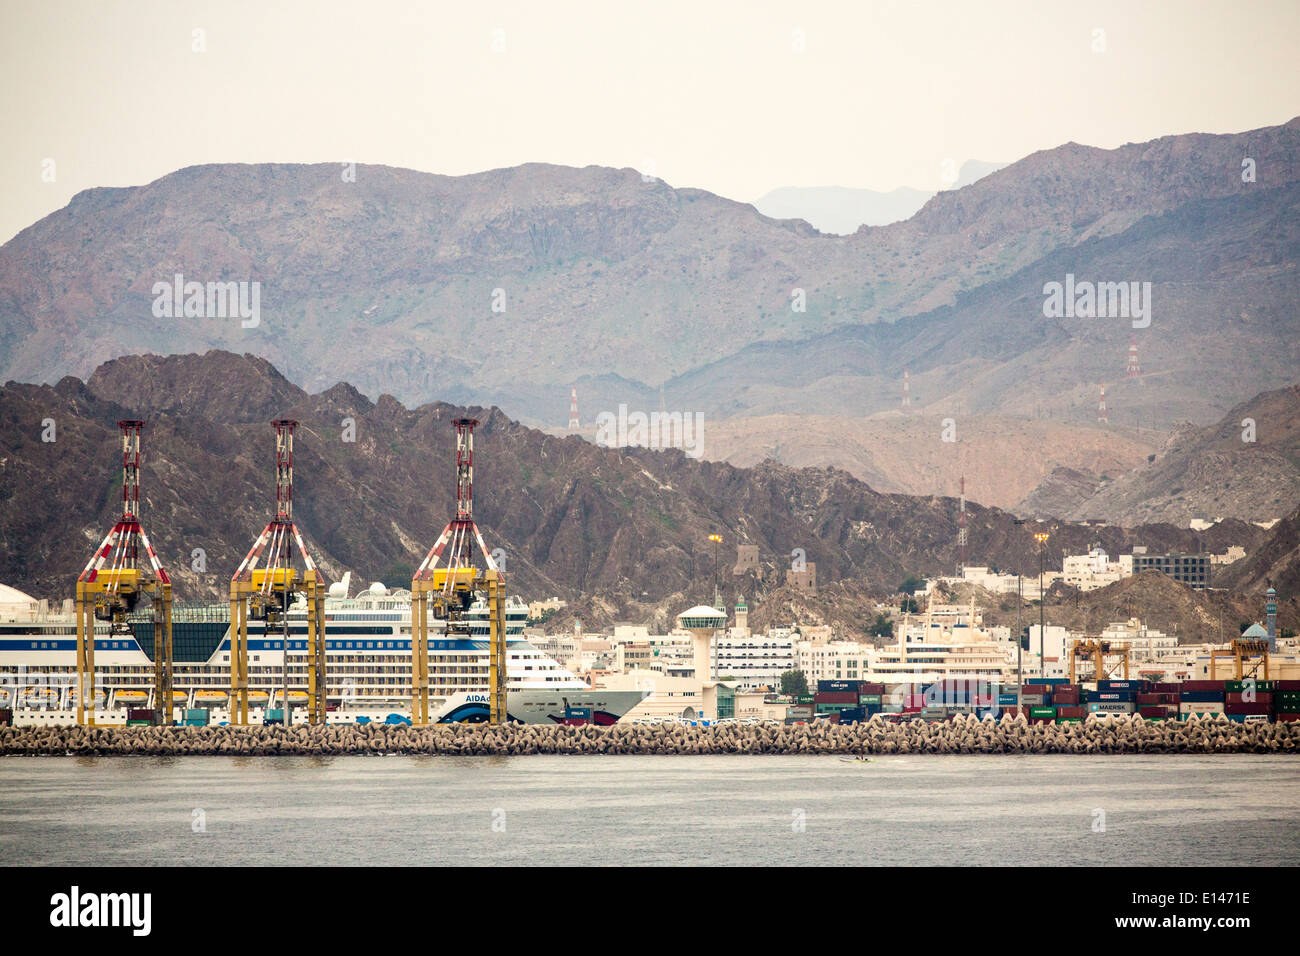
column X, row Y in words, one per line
column 112, row 584
column 1133, row 370
column 573, row 409
column 446, row 584
column 961, row 528
column 1101, row 409
column 907, row 389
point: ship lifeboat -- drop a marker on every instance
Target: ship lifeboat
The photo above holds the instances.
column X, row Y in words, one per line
column 211, row 696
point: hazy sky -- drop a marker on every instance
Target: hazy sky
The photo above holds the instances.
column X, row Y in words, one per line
column 737, row 98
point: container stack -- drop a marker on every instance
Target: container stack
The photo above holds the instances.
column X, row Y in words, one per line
column 1286, row 701
column 1200, row 697
column 1246, row 701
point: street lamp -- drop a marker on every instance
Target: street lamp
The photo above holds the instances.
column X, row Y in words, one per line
column 717, row 540
column 1041, row 537
column 1020, row 633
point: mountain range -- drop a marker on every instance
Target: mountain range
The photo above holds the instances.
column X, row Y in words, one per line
column 622, row 529
column 837, row 210
column 508, row 287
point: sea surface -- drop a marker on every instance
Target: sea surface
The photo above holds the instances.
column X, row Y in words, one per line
column 727, row 810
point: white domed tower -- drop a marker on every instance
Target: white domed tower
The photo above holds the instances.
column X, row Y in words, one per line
column 702, row 622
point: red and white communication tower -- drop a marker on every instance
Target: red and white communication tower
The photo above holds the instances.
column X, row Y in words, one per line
column 112, row 583
column 263, row 586
column 1133, row 369
column 573, row 409
column 1101, row 408
column 448, row 580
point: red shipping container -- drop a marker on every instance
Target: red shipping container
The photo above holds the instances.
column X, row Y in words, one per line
column 1071, row 711
column 1167, row 688
column 914, row 700
column 1146, row 700
column 1153, row 712
column 1245, row 708
column 1203, row 685
column 1036, row 689
column 1260, row 698
column 836, row 697
column 1288, row 718
column 1286, row 685
column 869, row 688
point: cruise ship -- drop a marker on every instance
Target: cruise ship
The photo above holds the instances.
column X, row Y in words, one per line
column 368, row 666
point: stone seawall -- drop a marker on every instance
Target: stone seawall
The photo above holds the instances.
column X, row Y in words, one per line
column 961, row 735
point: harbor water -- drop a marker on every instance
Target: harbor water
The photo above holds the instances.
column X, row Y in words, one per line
column 661, row 810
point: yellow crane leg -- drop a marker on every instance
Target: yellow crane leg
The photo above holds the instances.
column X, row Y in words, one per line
column 419, row 656
column 85, row 657
column 497, row 675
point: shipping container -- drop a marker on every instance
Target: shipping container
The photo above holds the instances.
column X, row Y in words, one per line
column 1246, row 697
column 870, row 698
column 1071, row 712
column 1238, row 686
column 849, row 697
column 1202, row 685
column 1201, row 697
column 832, row 686
column 1288, row 717
column 1042, row 711
column 1033, row 700
column 1240, row 708
column 1286, row 685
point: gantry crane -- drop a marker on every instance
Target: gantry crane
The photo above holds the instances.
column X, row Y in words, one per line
column 450, row 590
column 112, row 583
column 264, row 593
column 1096, row 653
column 1248, row 654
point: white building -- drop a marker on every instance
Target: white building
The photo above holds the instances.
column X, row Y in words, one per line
column 753, row 660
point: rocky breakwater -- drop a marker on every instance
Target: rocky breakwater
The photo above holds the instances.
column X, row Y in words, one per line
column 962, row 735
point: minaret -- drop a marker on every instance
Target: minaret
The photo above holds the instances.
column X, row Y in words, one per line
column 573, row 409
column 1133, row 370
column 1101, row 409
column 961, row 527
column 907, row 389
column 1270, row 608
column 742, row 614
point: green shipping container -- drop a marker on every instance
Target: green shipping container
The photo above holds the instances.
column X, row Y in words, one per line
column 804, row 699
column 1069, row 720
column 139, row 723
column 875, row 698
column 1042, row 711
column 1238, row 686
